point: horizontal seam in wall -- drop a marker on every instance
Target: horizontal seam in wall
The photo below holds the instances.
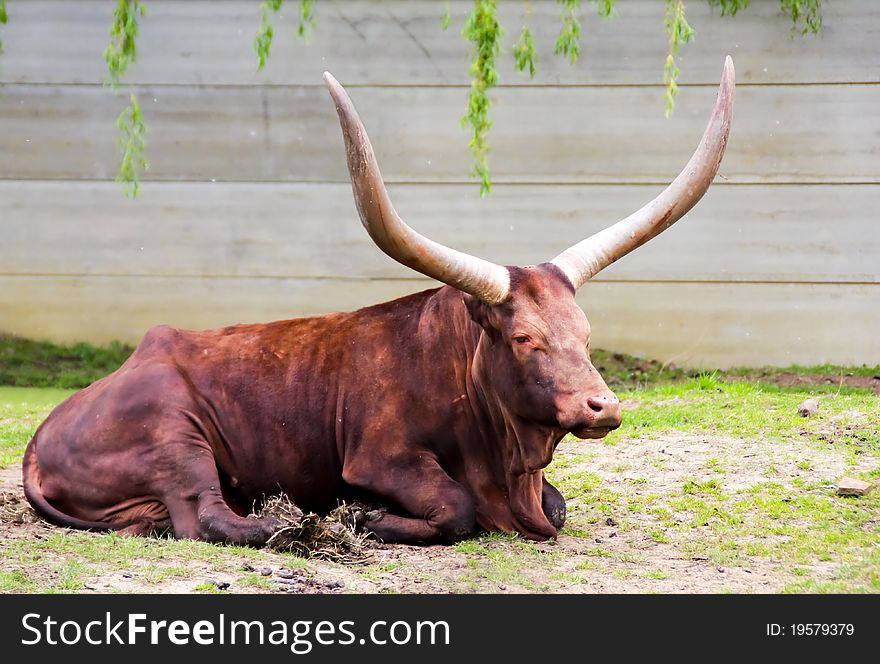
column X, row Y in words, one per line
column 451, row 183
column 430, row 86
column 731, row 282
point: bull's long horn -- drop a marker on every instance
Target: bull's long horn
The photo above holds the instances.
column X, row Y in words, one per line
column 485, row 280
column 585, row 259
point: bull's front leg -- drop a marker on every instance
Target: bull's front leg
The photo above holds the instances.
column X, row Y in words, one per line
column 438, row 509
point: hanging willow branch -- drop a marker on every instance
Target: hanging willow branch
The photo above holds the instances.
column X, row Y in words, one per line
column 679, row 32
column 3, row 18
column 263, row 40
column 568, row 43
column 806, row 15
column 525, row 52
column 730, row 7
column 121, row 52
column 265, row 33
column 484, row 31
column 131, row 144
column 306, row 19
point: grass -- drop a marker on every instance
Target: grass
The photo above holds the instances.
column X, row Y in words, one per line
column 505, row 562
column 848, row 414
column 865, row 370
column 21, row 412
column 27, row 363
column 69, row 561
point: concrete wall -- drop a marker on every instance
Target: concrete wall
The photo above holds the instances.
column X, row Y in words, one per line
column 246, row 213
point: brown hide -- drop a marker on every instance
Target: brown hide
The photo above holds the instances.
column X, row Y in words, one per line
column 398, row 400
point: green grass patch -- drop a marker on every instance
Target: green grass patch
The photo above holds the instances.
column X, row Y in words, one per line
column 758, row 410
column 28, row 363
column 498, row 559
column 655, row 574
column 255, row 581
column 21, row 412
column 16, row 581
column 70, row 560
column 377, row 571
column 807, row 370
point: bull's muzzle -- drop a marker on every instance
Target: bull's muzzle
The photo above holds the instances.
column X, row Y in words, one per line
column 606, row 411
column 600, row 415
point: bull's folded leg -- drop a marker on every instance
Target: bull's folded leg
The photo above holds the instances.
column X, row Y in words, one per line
column 402, row 530
column 218, row 523
column 441, row 509
column 146, row 527
column 553, row 504
column 202, row 513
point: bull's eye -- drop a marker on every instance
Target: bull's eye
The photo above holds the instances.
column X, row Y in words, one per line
column 521, row 339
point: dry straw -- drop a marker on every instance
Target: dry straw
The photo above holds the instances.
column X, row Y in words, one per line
column 309, row 535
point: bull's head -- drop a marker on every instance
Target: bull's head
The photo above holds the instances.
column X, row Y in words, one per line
column 536, row 341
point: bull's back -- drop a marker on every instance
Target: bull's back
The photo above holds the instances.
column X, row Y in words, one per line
column 275, row 403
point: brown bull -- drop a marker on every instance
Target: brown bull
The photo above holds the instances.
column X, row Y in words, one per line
column 444, row 405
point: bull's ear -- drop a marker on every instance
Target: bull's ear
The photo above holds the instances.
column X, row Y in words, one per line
column 481, row 312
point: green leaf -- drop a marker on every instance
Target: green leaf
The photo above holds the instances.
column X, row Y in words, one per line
column 3, row 18
column 606, row 8
column 525, row 53
column 730, row 7
column 306, row 19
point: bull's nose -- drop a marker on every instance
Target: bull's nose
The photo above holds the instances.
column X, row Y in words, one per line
column 606, row 410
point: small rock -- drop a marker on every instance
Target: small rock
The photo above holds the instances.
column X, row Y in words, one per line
column 808, row 408
column 614, row 534
column 126, row 575
column 266, row 571
column 852, row 487
column 221, row 585
column 247, row 567
column 720, row 569
column 610, row 521
column 289, row 582
column 284, row 573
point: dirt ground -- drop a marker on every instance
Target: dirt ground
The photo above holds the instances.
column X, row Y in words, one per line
column 617, row 553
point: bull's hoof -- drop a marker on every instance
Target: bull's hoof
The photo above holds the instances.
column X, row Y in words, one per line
column 253, row 532
column 556, row 515
column 256, row 533
column 359, row 515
